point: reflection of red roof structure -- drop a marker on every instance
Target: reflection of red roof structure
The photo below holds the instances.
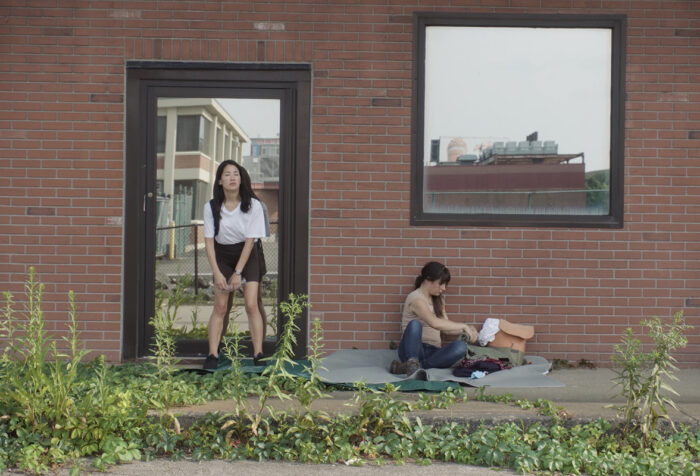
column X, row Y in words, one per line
column 507, row 181
column 505, row 177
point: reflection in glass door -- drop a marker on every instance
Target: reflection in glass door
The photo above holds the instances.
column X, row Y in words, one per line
column 194, row 135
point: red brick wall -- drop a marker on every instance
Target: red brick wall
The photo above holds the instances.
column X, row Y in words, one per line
column 62, row 158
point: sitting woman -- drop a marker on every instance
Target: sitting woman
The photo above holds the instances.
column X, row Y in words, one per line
column 423, row 320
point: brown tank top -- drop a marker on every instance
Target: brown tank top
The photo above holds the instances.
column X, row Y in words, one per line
column 430, row 335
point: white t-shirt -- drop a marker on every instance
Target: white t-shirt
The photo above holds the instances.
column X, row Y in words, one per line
column 236, row 226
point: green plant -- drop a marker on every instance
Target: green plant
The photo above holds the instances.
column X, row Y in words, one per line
column 444, row 399
column 272, row 317
column 379, row 413
column 57, row 408
column 38, row 392
column 482, row 397
column 164, row 350
column 169, row 302
column 232, row 351
column 274, row 374
column 237, row 420
column 277, row 370
column 583, row 363
column 198, row 300
column 543, row 407
column 7, row 330
column 642, row 376
column 311, row 388
column 106, row 417
column 558, row 364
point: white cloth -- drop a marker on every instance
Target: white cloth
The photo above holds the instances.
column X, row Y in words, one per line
column 488, row 331
column 236, row 226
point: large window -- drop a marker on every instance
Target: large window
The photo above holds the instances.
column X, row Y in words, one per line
column 518, row 120
column 200, row 194
column 193, row 134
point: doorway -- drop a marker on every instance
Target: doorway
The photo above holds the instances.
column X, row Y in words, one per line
column 183, row 119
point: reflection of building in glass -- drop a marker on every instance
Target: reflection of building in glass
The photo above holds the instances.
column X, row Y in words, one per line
column 456, row 148
column 459, row 148
column 194, row 135
column 263, row 165
column 509, row 177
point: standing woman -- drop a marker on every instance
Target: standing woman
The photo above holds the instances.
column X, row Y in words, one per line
column 424, row 319
column 233, row 254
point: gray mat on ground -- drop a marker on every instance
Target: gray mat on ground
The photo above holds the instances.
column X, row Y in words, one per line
column 372, row 367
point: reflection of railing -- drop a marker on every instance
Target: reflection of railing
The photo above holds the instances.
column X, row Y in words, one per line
column 546, row 202
column 174, row 251
column 182, row 259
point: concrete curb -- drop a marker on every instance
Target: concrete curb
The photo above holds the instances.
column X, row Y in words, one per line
column 471, row 412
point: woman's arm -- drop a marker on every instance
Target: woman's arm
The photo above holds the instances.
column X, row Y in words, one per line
column 422, row 310
column 219, row 279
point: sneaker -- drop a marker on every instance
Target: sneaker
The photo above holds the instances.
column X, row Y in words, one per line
column 211, row 362
column 257, row 360
column 412, row 365
column 397, row 367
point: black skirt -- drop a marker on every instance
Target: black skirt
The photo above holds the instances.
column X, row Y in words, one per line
column 227, row 257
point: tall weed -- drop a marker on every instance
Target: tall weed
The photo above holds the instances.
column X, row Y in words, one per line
column 274, row 375
column 642, row 377
column 277, row 371
column 164, row 352
column 311, row 388
column 236, row 421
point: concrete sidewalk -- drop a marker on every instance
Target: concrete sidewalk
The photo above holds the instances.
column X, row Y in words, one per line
column 160, row 467
column 584, row 398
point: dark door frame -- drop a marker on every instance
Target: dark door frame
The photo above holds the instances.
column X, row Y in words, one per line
column 148, row 80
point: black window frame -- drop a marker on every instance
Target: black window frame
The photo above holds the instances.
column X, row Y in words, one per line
column 617, row 25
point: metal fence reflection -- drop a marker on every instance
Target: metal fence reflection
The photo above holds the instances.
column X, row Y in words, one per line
column 180, row 254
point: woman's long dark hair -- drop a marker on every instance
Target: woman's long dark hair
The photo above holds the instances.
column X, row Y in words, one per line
column 434, row 271
column 245, row 190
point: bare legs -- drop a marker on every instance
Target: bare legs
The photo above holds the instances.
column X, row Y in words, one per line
column 255, row 318
column 219, row 315
column 218, row 322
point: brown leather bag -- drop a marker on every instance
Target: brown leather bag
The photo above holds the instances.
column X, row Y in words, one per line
column 512, row 336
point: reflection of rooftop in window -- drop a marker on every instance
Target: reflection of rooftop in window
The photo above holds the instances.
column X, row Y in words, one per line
column 501, row 159
column 530, row 151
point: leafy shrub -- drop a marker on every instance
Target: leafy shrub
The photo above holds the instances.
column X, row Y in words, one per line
column 92, row 409
column 55, row 409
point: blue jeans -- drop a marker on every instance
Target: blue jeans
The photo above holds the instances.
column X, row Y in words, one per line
column 429, row 356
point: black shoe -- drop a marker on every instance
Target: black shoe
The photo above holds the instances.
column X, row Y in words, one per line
column 412, row 366
column 397, row 367
column 211, row 362
column 257, row 360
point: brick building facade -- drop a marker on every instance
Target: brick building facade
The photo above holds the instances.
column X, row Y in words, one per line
column 62, row 168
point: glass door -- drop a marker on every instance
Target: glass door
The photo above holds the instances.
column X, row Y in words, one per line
column 193, row 136
column 182, row 121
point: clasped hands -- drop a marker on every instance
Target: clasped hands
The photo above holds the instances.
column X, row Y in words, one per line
column 234, row 282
